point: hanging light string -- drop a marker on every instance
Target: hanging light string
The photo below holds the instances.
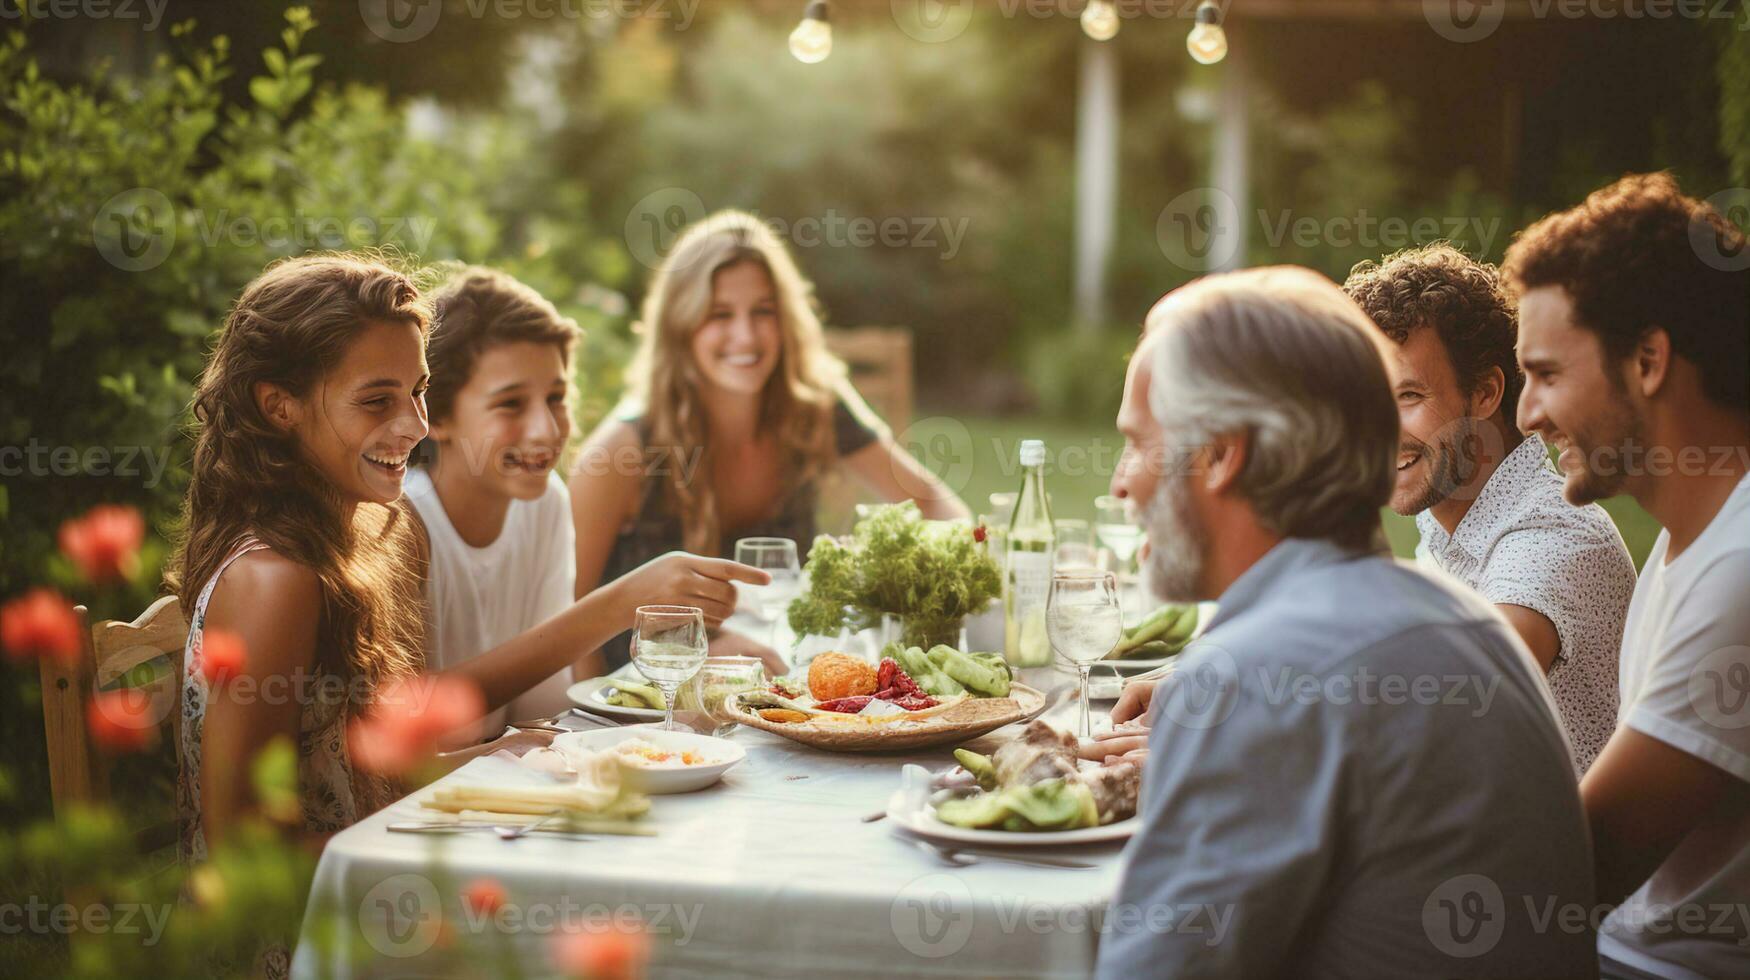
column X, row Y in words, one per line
column 811, row 41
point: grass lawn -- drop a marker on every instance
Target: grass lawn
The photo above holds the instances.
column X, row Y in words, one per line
column 977, row 456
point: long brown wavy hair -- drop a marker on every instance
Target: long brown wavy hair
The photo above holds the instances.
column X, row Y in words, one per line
column 663, row 380
column 290, row 327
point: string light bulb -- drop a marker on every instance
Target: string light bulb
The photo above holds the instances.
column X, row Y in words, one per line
column 1100, row 19
column 1207, row 42
column 811, row 41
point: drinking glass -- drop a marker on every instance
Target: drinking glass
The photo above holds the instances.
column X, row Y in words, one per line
column 669, row 645
column 1075, row 543
column 777, row 556
column 1117, row 531
column 721, row 679
column 1084, row 621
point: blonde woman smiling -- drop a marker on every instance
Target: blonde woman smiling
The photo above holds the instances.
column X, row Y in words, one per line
column 735, row 412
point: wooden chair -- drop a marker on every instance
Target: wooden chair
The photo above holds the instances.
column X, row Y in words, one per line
column 879, row 363
column 110, row 653
column 879, row 359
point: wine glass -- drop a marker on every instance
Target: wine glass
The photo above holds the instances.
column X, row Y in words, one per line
column 778, row 557
column 1075, row 542
column 669, row 645
column 1084, row 620
column 1117, row 531
column 720, row 680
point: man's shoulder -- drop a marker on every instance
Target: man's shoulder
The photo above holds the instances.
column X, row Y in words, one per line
column 1340, row 610
column 1541, row 517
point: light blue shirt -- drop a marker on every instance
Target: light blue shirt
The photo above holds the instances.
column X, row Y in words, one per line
column 1356, row 772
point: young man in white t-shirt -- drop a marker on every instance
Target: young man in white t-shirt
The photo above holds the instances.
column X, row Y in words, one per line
column 1634, row 335
column 497, row 518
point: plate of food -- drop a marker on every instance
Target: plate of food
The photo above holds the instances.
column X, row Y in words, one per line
column 655, row 761
column 1033, row 791
column 911, row 700
column 1158, row 639
column 619, row 697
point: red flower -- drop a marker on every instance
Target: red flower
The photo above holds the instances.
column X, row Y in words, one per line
column 979, row 534
column 40, row 623
column 105, row 543
column 223, row 654
column 411, row 718
column 617, row 953
column 122, row 720
column 484, row 896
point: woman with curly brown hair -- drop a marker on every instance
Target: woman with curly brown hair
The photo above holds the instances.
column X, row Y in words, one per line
column 297, row 542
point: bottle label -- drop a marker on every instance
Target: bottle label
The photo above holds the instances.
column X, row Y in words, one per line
column 1029, row 580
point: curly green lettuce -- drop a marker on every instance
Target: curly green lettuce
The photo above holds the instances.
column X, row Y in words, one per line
column 897, row 563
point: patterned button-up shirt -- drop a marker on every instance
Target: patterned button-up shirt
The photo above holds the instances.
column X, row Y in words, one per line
column 1522, row 544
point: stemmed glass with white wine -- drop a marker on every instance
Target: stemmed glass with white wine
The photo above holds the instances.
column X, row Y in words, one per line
column 778, row 557
column 668, row 648
column 1116, row 530
column 1084, row 621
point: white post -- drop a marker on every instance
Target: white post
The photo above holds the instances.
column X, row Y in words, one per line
column 1229, row 163
column 1096, row 177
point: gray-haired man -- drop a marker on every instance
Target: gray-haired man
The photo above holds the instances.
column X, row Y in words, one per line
column 1357, row 770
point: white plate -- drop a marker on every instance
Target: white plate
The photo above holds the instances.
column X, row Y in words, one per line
column 592, row 695
column 658, row 782
column 909, row 808
column 918, row 818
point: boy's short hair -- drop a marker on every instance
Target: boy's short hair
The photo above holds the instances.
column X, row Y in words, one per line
column 1638, row 254
column 480, row 308
column 1440, row 288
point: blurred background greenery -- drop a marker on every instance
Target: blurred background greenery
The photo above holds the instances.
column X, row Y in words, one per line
column 150, row 171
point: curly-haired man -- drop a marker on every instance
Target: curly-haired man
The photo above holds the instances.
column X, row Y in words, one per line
column 1634, row 334
column 1487, row 504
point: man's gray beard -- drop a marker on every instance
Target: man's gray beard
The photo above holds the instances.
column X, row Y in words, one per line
column 1175, row 541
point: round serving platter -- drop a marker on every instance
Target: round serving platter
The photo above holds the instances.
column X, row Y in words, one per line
column 967, row 720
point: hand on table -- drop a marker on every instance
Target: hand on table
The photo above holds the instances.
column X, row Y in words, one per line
column 682, row 579
column 517, row 740
column 1127, row 742
column 1133, row 701
column 728, row 643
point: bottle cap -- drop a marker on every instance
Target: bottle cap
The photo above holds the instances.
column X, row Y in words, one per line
column 1032, row 452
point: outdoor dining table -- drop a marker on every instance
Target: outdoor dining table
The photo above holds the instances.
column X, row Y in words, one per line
column 774, row 872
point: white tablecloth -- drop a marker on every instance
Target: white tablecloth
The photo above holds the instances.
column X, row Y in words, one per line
column 769, row 874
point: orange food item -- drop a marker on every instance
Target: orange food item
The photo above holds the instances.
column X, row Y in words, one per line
column 783, row 716
column 839, row 675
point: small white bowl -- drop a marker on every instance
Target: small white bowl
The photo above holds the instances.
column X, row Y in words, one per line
column 659, row 782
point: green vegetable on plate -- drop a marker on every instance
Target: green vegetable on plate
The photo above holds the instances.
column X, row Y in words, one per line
column 1164, row 633
column 1053, row 804
column 628, row 693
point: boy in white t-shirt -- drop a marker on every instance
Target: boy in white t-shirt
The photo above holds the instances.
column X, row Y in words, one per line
column 497, row 518
column 1634, row 335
